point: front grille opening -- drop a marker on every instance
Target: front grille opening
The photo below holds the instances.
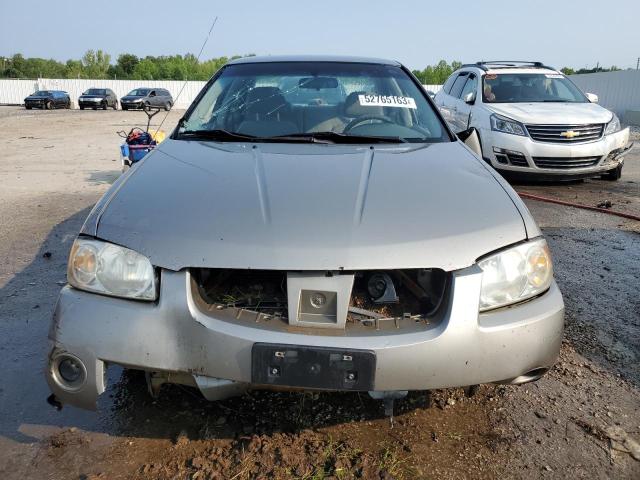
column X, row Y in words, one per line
column 378, row 298
column 262, row 291
column 565, row 162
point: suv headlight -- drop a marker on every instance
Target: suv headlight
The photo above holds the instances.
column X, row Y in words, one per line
column 515, row 274
column 613, row 126
column 109, row 269
column 506, row 125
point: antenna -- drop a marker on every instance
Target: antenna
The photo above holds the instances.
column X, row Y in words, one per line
column 186, row 80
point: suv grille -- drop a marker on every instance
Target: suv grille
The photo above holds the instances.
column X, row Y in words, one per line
column 565, row 162
column 565, row 133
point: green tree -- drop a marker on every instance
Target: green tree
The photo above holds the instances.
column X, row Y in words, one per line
column 96, row 63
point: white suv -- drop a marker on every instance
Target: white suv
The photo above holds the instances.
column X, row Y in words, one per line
column 533, row 120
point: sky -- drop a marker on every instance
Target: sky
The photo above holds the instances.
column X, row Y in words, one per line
column 417, row 33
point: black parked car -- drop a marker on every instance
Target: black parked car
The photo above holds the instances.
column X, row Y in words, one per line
column 98, row 97
column 48, row 99
column 147, row 97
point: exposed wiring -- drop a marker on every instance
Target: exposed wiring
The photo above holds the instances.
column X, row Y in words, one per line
column 578, row 205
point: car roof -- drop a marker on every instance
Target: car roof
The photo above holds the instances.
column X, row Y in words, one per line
column 312, row 58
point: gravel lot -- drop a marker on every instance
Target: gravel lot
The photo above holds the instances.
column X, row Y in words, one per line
column 580, row 418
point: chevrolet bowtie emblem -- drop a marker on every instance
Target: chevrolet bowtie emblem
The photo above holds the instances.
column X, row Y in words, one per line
column 570, row 134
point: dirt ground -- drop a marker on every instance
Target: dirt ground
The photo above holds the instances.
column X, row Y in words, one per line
column 579, row 421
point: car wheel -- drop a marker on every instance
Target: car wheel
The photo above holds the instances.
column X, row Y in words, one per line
column 104, row 105
column 115, row 105
column 146, row 106
column 49, row 106
column 68, row 106
column 81, row 107
column 125, row 108
column 613, row 175
column 28, row 108
column 167, row 106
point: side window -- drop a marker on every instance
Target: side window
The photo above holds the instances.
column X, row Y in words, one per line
column 152, row 93
column 447, row 85
column 470, row 86
column 456, row 89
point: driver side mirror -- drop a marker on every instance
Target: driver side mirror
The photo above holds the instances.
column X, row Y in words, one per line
column 592, row 97
column 470, row 98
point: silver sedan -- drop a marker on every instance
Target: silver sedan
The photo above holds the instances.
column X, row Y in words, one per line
column 311, row 223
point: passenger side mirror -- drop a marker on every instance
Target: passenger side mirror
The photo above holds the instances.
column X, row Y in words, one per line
column 470, row 98
column 593, row 98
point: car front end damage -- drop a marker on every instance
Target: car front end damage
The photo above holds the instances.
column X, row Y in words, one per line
column 224, row 331
column 556, row 151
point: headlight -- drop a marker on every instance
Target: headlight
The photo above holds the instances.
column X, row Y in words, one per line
column 613, row 126
column 109, row 269
column 515, row 274
column 505, row 125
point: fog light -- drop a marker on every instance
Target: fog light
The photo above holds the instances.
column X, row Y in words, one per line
column 69, row 372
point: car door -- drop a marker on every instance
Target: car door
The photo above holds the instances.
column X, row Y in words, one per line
column 449, row 101
column 462, row 109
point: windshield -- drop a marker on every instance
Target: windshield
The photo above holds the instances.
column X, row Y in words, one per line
column 95, row 91
column 307, row 99
column 41, row 93
column 530, row 87
column 139, row 92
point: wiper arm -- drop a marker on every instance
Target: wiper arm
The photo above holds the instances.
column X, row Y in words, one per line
column 339, row 138
column 217, row 134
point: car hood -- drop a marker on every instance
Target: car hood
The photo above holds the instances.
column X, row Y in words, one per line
column 553, row 113
column 308, row 207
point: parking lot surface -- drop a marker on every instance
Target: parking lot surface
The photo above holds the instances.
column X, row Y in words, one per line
column 582, row 417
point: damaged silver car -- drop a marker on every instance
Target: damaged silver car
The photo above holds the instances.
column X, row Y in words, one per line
column 312, row 223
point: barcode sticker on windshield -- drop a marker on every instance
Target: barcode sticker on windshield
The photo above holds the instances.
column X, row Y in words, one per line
column 386, row 101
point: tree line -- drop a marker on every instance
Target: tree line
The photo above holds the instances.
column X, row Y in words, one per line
column 97, row 64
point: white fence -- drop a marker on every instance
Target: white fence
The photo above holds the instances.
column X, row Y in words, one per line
column 13, row 92
column 617, row 91
column 432, row 88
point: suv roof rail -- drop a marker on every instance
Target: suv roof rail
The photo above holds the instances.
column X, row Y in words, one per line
column 485, row 65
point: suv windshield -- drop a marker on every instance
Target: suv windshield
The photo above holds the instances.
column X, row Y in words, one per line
column 95, row 91
column 41, row 93
column 530, row 87
column 139, row 92
column 308, row 100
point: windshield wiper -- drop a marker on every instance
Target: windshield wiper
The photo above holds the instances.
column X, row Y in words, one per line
column 334, row 137
column 316, row 137
column 217, row 134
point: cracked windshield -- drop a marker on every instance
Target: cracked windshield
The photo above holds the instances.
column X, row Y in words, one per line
column 298, row 100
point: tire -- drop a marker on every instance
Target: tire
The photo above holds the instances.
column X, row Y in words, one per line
column 28, row 108
column 48, row 106
column 613, row 174
column 115, row 105
column 81, row 107
column 68, row 105
column 167, row 106
column 125, row 108
column 146, row 106
column 104, row 105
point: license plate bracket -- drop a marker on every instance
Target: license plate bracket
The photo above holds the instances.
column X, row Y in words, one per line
column 324, row 368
